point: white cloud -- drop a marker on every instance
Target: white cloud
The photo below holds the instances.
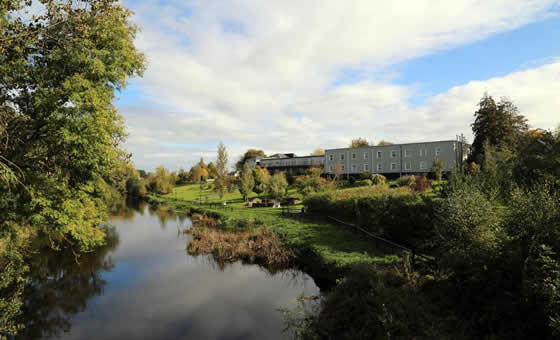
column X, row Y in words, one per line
column 267, row 82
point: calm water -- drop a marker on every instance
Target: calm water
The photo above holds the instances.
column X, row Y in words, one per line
column 143, row 285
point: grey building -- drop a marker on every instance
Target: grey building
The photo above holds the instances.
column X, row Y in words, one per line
column 396, row 159
column 288, row 163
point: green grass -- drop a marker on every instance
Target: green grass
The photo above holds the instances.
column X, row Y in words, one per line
column 333, row 244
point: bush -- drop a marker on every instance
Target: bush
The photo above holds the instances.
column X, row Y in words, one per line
column 406, row 181
column 364, row 183
column 372, row 304
column 422, row 184
column 365, row 175
column 378, row 179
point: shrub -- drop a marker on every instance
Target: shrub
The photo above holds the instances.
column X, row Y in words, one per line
column 378, row 179
column 364, row 183
column 406, row 181
column 365, row 175
column 422, row 184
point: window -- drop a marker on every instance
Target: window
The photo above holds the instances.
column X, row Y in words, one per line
column 393, row 153
column 423, row 152
column 342, row 168
column 393, row 166
column 342, row 157
column 379, row 154
column 353, row 155
column 423, row 165
column 365, row 155
column 379, row 167
column 353, row 167
column 438, row 151
column 331, row 157
column 407, row 153
column 408, row 165
column 366, row 167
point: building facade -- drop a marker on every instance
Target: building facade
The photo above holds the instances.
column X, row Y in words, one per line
column 396, row 159
column 288, row 163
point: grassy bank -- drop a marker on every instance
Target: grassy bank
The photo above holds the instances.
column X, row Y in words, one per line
column 315, row 241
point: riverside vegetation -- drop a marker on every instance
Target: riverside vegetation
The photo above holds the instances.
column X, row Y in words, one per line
column 493, row 230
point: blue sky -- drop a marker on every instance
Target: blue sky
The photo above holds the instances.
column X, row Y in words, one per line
column 292, row 76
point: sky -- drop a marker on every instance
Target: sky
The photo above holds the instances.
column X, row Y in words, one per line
column 294, row 76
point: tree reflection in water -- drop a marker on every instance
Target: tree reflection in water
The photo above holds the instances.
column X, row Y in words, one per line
column 60, row 285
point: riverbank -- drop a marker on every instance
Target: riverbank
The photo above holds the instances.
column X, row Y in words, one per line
column 324, row 250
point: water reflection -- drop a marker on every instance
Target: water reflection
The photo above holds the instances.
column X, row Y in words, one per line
column 143, row 285
column 60, row 285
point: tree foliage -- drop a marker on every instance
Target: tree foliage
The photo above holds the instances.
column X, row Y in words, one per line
column 500, row 124
column 58, row 75
column 251, row 153
column 247, row 182
column 359, row 143
column 437, row 168
column 221, row 181
column 262, row 181
column 278, row 186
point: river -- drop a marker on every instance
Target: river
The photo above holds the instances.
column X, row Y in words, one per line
column 143, row 285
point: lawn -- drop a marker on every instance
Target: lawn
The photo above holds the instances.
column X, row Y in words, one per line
column 333, row 244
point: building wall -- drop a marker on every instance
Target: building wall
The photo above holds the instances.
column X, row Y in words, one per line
column 396, row 159
column 295, row 165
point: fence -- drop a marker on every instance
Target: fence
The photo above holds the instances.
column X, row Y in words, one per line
column 378, row 239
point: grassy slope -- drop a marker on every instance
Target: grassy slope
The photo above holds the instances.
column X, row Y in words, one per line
column 333, row 244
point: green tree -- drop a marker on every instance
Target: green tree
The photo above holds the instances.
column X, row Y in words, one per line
column 251, row 153
column 247, row 182
column 162, row 181
column 500, row 124
column 262, row 181
column 58, row 75
column 221, row 182
column 359, row 143
column 212, row 172
column 437, row 168
column 278, row 186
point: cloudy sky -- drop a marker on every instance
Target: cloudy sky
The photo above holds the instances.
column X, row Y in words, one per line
column 292, row 76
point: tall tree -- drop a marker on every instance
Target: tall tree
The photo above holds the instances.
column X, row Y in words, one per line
column 500, row 124
column 359, row 143
column 247, row 182
column 220, row 184
column 251, row 153
column 59, row 71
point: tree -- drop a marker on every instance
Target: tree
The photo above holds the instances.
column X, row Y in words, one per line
column 318, row 152
column 221, row 184
column 498, row 123
column 212, row 171
column 262, row 181
column 278, row 186
column 59, row 71
column 437, row 168
column 247, row 182
column 251, row 153
column 359, row 143
column 202, row 164
column 384, row 142
column 162, row 181
column 197, row 174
